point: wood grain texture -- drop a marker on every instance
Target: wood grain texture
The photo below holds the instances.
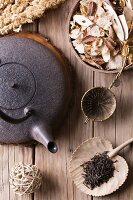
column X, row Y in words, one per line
column 57, row 183
column 119, row 127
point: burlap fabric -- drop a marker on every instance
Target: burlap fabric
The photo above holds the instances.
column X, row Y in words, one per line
column 14, row 13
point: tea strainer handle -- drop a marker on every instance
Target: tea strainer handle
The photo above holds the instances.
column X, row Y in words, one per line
column 87, row 120
column 118, row 74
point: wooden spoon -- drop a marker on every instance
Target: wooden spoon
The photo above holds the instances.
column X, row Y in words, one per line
column 85, row 152
column 115, row 151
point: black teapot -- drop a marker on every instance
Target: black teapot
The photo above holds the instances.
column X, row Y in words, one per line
column 34, row 90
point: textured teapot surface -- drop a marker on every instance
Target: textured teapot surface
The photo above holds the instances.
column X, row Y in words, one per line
column 17, row 86
column 30, row 77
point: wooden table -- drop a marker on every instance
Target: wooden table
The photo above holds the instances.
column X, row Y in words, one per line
column 57, row 184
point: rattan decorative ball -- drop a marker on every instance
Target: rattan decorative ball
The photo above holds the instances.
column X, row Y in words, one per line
column 25, row 178
column 98, row 103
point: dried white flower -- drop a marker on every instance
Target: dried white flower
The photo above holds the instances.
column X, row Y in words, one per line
column 80, row 48
column 82, row 20
column 75, row 33
column 100, row 11
column 129, row 4
column 94, row 51
column 18, row 29
column 76, row 43
column 95, row 31
column 115, row 62
column 124, row 25
column 105, row 53
column 104, row 22
column 115, row 20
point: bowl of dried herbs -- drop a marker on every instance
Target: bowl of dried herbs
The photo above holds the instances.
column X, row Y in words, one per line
column 99, row 31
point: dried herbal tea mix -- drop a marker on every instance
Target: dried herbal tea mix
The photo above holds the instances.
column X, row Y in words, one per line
column 98, row 170
column 99, row 31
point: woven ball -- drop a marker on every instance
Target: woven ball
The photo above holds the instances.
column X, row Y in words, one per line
column 15, row 13
column 25, row 179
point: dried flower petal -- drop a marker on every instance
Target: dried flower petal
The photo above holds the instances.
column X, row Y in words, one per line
column 128, row 13
column 130, row 58
column 97, row 43
column 100, row 11
column 90, row 61
column 88, row 39
column 129, row 4
column 111, row 44
column 75, row 33
column 115, row 20
column 104, row 22
column 83, row 9
column 72, row 25
column 76, row 43
column 82, row 20
column 105, row 53
column 124, row 25
column 115, row 62
column 80, row 48
column 112, row 33
column 92, row 8
column 95, row 31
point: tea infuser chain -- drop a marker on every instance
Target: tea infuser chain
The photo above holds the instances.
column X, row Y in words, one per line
column 118, row 74
column 101, row 94
column 86, row 121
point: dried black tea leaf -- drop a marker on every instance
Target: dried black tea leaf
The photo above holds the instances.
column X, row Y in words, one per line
column 98, row 170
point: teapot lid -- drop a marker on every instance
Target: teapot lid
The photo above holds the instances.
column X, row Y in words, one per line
column 17, row 85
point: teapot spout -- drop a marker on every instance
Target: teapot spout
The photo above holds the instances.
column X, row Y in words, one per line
column 42, row 134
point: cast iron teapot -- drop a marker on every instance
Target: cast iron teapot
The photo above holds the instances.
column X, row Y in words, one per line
column 33, row 90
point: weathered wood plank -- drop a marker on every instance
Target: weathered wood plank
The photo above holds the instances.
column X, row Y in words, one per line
column 11, row 155
column 124, row 126
column 105, row 129
column 119, row 127
column 55, row 168
column 19, row 154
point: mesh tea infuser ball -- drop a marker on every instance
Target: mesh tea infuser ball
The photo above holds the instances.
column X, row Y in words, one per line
column 98, row 103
